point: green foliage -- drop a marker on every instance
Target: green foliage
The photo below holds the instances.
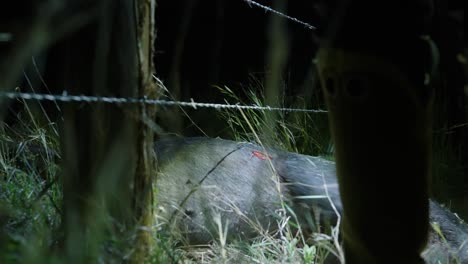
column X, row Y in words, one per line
column 31, row 199
column 293, row 131
column 29, row 189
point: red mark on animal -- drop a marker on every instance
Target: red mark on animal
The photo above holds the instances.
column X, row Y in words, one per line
column 261, row 155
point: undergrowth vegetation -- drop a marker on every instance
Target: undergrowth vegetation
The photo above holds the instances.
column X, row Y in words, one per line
column 29, row 191
column 31, row 197
column 292, row 131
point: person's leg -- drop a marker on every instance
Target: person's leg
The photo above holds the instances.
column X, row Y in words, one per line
column 375, row 67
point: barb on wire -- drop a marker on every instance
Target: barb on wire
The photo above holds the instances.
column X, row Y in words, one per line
column 119, row 100
column 269, row 9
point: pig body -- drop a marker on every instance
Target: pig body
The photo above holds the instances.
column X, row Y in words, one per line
column 243, row 184
column 201, row 179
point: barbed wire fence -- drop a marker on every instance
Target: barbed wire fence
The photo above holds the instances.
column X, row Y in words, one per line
column 132, row 100
column 66, row 98
column 276, row 12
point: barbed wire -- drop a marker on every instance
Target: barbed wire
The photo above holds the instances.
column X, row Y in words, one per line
column 131, row 100
column 120, row 100
column 269, row 9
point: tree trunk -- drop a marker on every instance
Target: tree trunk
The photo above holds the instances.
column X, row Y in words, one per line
column 146, row 161
column 107, row 149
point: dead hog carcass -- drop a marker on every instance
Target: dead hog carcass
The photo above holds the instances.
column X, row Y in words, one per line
column 203, row 182
column 240, row 183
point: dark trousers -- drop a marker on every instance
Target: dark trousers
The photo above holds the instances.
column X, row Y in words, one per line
column 375, row 66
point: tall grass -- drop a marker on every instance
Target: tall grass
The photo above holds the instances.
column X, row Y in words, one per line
column 292, row 131
column 288, row 244
column 31, row 201
column 29, row 189
column 31, row 195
